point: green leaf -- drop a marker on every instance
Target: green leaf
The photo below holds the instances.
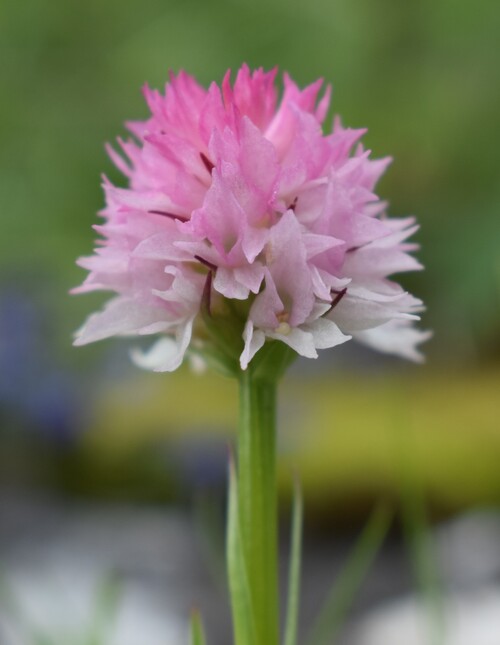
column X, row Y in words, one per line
column 197, row 633
column 292, row 611
column 241, row 600
column 344, row 589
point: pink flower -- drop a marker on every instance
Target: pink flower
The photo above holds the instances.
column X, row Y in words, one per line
column 238, row 192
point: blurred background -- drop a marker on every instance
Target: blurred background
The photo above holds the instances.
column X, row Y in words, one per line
column 103, row 467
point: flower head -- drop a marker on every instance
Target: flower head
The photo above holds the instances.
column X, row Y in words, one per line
column 240, row 207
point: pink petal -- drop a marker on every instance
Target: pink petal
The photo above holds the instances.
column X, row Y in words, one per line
column 122, row 316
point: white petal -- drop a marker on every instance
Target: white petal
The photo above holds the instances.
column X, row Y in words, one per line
column 225, row 282
column 186, row 288
column 357, row 314
column 253, row 242
column 395, row 337
column 301, row 341
column 158, row 354
column 378, row 291
column 250, row 276
column 254, row 340
column 321, row 290
column 167, row 354
column 325, row 333
column 375, row 261
column 319, row 309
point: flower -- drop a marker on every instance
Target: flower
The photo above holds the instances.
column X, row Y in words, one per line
column 239, row 206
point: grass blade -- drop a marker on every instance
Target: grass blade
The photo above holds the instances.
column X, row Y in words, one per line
column 292, row 610
column 241, row 601
column 197, row 635
column 345, row 587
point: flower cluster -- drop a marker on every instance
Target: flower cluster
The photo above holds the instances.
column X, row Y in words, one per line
column 238, row 197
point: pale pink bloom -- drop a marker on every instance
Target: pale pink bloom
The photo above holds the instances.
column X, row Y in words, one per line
column 242, row 187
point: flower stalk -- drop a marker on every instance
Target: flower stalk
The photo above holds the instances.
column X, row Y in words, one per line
column 257, row 499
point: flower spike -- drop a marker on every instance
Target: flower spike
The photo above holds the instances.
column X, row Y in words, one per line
column 297, row 244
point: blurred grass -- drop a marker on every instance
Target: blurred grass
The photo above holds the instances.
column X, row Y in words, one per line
column 343, row 436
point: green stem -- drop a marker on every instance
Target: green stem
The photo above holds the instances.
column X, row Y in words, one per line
column 257, row 500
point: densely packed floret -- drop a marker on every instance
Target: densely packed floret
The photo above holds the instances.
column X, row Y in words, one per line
column 238, row 201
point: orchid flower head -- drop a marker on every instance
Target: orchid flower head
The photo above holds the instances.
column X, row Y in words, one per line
column 240, row 211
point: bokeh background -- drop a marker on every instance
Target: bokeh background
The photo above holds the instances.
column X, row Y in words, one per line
column 82, row 425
